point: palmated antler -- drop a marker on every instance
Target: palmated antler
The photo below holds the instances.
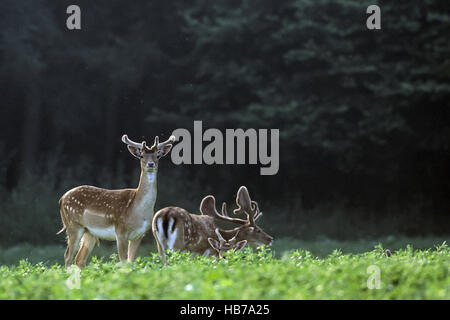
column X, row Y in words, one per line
column 208, row 207
column 247, row 205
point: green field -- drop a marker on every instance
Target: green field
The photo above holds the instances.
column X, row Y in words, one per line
column 263, row 273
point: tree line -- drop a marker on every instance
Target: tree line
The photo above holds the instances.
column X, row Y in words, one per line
column 363, row 114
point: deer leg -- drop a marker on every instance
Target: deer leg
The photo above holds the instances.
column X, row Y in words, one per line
column 133, row 246
column 122, row 247
column 87, row 244
column 162, row 254
column 73, row 240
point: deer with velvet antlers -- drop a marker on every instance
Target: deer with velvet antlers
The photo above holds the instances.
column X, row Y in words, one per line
column 176, row 229
column 89, row 213
column 221, row 245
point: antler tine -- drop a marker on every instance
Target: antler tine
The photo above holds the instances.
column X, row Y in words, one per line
column 208, row 207
column 239, row 209
column 232, row 241
column 171, row 139
column 255, row 208
column 224, row 210
column 254, row 205
column 221, row 239
column 156, row 143
column 129, row 142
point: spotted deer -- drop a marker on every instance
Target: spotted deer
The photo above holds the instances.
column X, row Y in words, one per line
column 221, row 245
column 89, row 213
column 175, row 228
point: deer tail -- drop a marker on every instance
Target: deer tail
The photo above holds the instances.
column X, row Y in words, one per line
column 62, row 217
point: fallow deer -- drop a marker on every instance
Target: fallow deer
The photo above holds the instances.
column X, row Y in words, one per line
column 89, row 213
column 221, row 245
column 175, row 228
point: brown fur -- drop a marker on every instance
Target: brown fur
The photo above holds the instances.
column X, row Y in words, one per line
column 124, row 215
column 196, row 229
column 88, row 206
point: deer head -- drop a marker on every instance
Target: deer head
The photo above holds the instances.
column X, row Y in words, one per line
column 248, row 229
column 222, row 246
column 149, row 156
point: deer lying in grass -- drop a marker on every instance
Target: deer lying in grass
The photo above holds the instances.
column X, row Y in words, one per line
column 89, row 213
column 176, row 229
column 221, row 245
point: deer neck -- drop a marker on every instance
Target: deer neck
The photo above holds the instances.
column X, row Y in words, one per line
column 146, row 192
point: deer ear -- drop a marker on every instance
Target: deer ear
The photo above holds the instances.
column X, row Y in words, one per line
column 214, row 243
column 164, row 151
column 240, row 245
column 135, row 151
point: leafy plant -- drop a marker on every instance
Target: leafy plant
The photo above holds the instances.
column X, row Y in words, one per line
column 248, row 274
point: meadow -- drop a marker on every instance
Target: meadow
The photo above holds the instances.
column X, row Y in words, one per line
column 322, row 269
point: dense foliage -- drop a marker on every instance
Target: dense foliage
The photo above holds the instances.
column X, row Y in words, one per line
column 407, row 274
column 363, row 115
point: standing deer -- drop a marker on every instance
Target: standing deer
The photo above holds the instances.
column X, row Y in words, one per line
column 176, row 229
column 221, row 245
column 89, row 213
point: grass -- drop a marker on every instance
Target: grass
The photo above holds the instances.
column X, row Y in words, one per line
column 320, row 247
column 410, row 273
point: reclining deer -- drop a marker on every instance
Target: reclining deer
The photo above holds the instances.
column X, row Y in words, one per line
column 176, row 229
column 89, row 213
column 221, row 245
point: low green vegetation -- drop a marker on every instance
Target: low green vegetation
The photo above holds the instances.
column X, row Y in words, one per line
column 251, row 274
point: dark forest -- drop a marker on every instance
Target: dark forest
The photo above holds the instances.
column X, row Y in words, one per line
column 363, row 115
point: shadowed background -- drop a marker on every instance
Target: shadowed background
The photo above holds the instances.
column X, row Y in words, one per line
column 363, row 115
